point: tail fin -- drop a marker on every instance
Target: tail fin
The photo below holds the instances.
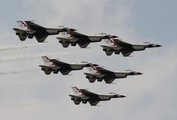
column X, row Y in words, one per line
column 65, row 34
column 47, row 61
column 93, row 69
column 77, row 91
column 22, row 25
column 110, row 42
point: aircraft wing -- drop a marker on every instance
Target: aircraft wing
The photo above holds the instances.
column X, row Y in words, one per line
column 88, row 93
column 126, row 53
column 121, row 43
column 103, row 71
column 77, row 35
column 34, row 26
column 58, row 63
column 83, row 44
column 93, row 103
column 109, row 80
column 41, row 38
column 65, row 72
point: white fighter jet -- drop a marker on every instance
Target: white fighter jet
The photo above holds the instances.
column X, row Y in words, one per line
column 53, row 65
column 72, row 37
column 99, row 73
column 84, row 96
column 30, row 29
column 117, row 46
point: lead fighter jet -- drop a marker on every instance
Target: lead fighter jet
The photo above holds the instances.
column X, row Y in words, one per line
column 30, row 29
column 53, row 65
column 84, row 96
column 99, row 73
column 117, row 46
column 72, row 37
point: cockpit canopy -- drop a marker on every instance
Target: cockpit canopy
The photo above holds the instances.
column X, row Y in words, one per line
column 60, row 26
column 100, row 34
column 146, row 42
column 84, row 62
column 111, row 93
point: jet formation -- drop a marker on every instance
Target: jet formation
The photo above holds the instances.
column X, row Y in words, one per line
column 70, row 36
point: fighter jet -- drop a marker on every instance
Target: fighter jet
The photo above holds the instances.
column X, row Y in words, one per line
column 72, row 37
column 99, row 73
column 84, row 96
column 30, row 29
column 117, row 46
column 54, row 65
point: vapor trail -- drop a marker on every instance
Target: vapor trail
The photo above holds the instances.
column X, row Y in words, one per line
column 28, row 103
column 10, row 84
column 16, row 72
column 20, row 46
column 7, row 35
column 26, row 57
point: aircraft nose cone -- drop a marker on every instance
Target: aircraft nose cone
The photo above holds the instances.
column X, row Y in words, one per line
column 72, row 29
column 95, row 65
column 139, row 73
column 114, row 36
column 122, row 96
column 158, row 45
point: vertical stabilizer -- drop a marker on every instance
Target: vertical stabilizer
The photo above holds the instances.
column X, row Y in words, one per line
column 65, row 34
column 47, row 61
column 77, row 91
column 110, row 42
column 22, row 25
column 93, row 69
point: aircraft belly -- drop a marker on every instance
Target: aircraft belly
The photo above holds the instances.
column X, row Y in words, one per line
column 55, row 68
column 138, row 47
column 73, row 40
column 84, row 39
column 94, row 39
column 127, row 48
column 104, row 98
column 116, row 48
column 76, row 67
column 52, row 31
column 30, row 32
column 40, row 33
column 100, row 75
column 84, row 98
column 120, row 75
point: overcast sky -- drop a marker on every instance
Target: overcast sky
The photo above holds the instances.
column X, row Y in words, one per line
column 26, row 93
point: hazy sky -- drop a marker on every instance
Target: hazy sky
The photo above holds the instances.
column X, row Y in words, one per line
column 27, row 93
